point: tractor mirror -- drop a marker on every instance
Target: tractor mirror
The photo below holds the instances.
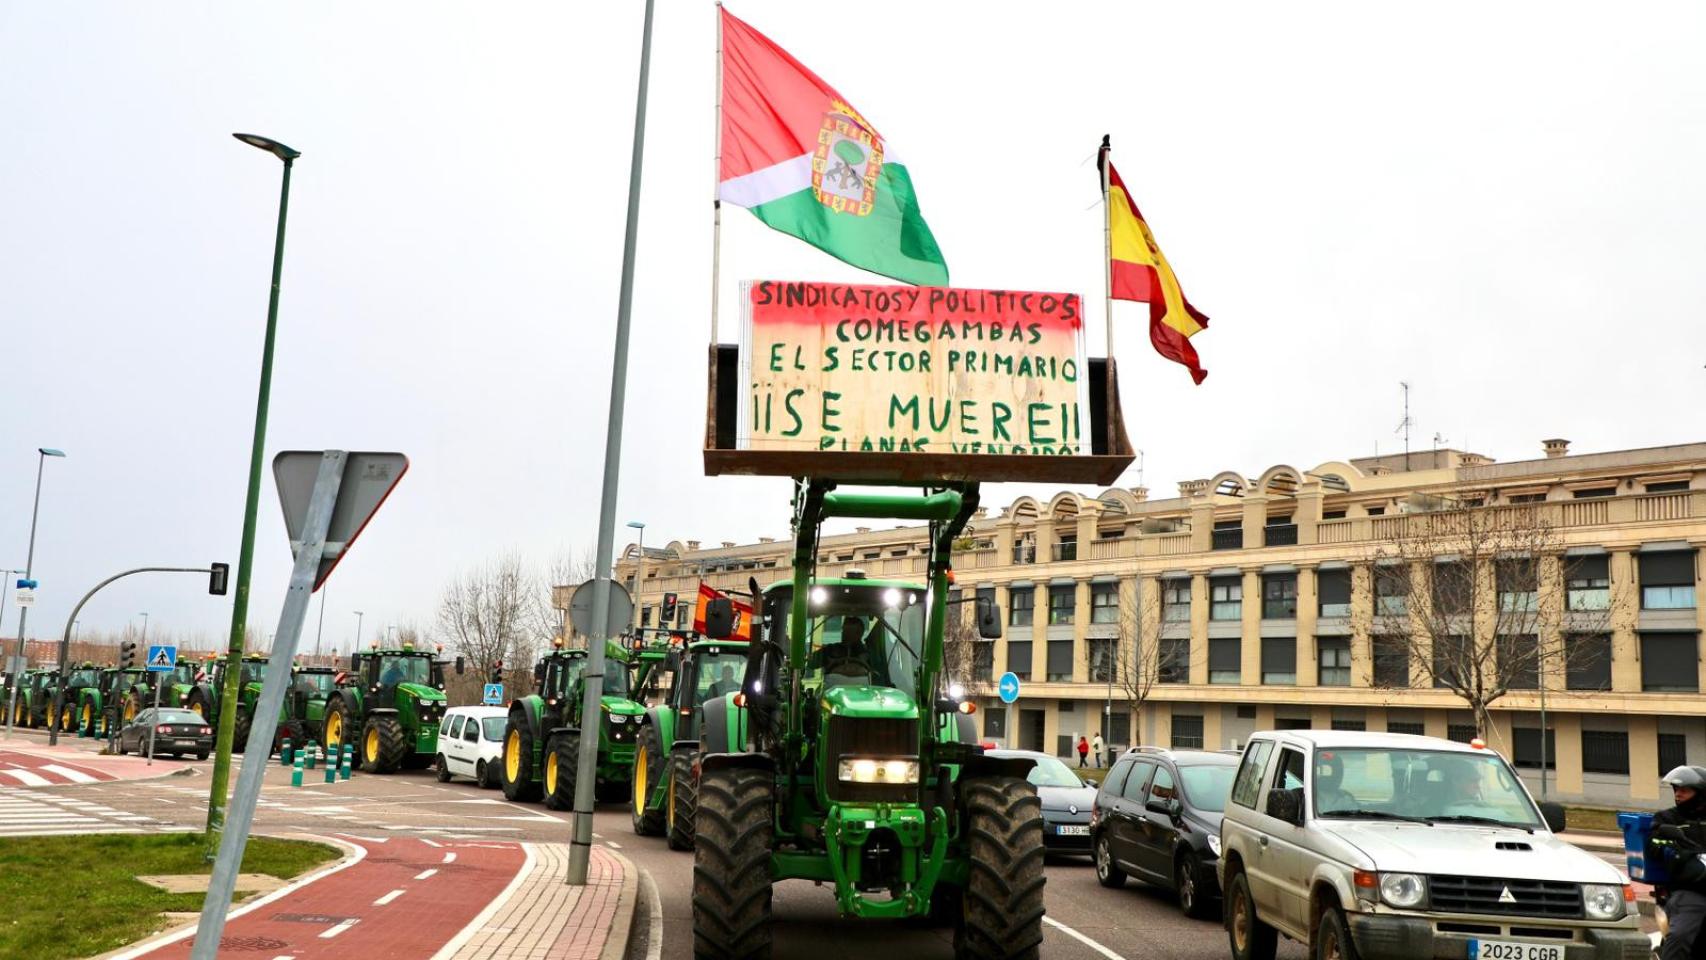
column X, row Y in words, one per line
column 988, row 619
column 355, row 661
column 539, row 674
column 719, row 619
column 672, row 662
column 461, row 665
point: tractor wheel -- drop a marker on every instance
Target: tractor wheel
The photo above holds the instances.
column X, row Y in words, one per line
column 383, row 746
column 198, row 705
column 338, row 727
column 515, row 773
column 132, row 706
column 562, row 754
column 90, row 718
column 682, row 800
column 240, row 730
column 731, row 865
column 1003, row 913
column 67, row 718
column 648, row 769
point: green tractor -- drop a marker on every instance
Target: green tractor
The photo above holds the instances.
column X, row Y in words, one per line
column 207, row 688
column 73, row 685
column 35, row 697
column 309, row 689
column 174, row 691
column 665, row 783
column 841, row 759
column 542, row 734
column 388, row 704
column 104, row 705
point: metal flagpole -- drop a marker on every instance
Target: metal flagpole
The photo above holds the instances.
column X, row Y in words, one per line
column 716, row 183
column 580, row 847
column 1107, row 247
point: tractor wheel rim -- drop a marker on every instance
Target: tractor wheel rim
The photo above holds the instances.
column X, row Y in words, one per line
column 334, row 730
column 640, row 783
column 671, row 803
column 88, row 714
column 372, row 745
column 196, row 709
column 551, row 773
column 512, row 756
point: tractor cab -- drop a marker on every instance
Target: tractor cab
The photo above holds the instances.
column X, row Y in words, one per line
column 704, row 671
column 383, row 671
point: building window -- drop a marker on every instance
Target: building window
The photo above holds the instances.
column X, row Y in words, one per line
column 1187, row 732
column 1279, row 596
column 1021, row 604
column 1376, row 511
column 1667, row 486
column 1333, row 589
column 1406, row 726
column 1061, row 600
column 1060, row 661
column 1587, row 662
column 1391, row 590
column 1453, row 586
column 1119, row 729
column 1225, row 660
column 1519, row 661
column 1670, row 662
column 1667, row 580
column 1025, row 549
column 983, row 660
column 1102, row 666
column 1518, row 583
column 1525, row 748
column 1176, row 600
column 1391, row 662
column 1587, row 583
column 1173, row 660
column 1279, row 661
column 1347, row 724
column 1335, row 661
column 1526, row 498
column 995, row 723
column 1293, row 723
column 1279, row 532
column 1594, row 492
column 1673, row 751
column 1226, row 598
column 1104, row 603
column 1066, row 547
column 1333, row 515
column 1019, row 657
column 1227, row 535
column 1605, row 751
column 1460, row 732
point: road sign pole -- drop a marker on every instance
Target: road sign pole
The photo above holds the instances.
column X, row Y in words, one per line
column 309, row 551
column 30, row 560
column 156, row 724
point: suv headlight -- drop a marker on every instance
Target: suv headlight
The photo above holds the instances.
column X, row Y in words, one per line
column 1405, row 891
column 879, row 770
column 1603, row 901
column 1214, row 843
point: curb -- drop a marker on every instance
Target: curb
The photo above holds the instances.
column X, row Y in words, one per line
column 627, row 905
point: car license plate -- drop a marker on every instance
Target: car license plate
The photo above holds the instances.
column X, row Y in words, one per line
column 1514, row 950
column 183, row 743
column 1072, row 830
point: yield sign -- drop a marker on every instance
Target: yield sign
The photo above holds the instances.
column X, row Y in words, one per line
column 368, row 479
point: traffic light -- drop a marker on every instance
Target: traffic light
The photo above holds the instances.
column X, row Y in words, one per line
column 667, row 615
column 498, row 672
column 218, row 574
column 127, row 654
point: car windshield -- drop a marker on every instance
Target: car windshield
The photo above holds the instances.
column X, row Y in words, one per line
column 1434, row 785
column 858, row 633
column 720, row 673
column 1207, row 784
column 492, row 728
column 1050, row 772
column 395, row 669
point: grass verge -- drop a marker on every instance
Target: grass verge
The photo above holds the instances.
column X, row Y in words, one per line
column 1591, row 820
column 70, row 897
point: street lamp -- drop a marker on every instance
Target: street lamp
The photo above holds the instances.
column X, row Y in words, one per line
column 639, row 571
column 144, row 616
column 42, row 453
column 7, row 585
column 240, row 600
column 358, row 616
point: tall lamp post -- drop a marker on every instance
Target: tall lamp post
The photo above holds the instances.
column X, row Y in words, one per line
column 245, row 557
column 42, row 453
column 4, row 587
column 639, row 571
column 358, row 616
column 144, row 616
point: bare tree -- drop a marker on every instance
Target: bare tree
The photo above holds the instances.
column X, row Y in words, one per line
column 967, row 658
column 1478, row 601
column 487, row 614
column 1138, row 657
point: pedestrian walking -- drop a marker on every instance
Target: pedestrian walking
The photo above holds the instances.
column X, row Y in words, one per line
column 1083, row 751
column 1097, row 747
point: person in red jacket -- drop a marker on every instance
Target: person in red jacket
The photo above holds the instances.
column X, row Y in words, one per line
column 1083, row 751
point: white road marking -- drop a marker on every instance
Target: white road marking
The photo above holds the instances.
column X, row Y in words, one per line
column 426, row 874
column 430, row 843
column 75, row 776
column 450, row 858
column 1081, row 938
column 382, row 901
column 613, row 844
column 26, row 778
column 497, row 903
column 340, row 927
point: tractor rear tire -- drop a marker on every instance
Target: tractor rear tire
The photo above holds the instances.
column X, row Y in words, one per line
column 345, row 724
column 731, row 865
column 1002, row 918
column 133, row 705
column 682, row 800
column 562, row 757
column 515, row 768
column 383, row 746
column 240, row 730
column 198, row 704
column 649, row 768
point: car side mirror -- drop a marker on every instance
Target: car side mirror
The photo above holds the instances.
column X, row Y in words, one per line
column 1286, row 805
column 461, row 665
column 1169, row 807
column 719, row 619
column 1553, row 814
column 988, row 619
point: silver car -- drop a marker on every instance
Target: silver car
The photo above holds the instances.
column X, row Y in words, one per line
column 1397, row 846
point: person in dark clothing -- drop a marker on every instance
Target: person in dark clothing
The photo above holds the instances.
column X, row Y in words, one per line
column 1679, row 842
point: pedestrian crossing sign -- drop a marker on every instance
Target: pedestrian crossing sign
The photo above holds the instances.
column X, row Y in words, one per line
column 162, row 658
column 494, row 694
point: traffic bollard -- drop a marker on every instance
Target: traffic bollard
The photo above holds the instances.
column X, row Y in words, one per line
column 284, row 753
column 343, row 768
column 331, row 770
column 310, row 751
column 296, row 770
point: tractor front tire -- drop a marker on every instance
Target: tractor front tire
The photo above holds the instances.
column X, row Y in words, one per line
column 682, row 800
column 731, row 864
column 1002, row 917
column 515, row 769
column 240, row 730
column 383, row 746
column 562, row 756
column 649, row 768
column 335, row 730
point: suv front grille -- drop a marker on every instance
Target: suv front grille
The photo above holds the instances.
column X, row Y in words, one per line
column 869, row 737
column 1528, row 898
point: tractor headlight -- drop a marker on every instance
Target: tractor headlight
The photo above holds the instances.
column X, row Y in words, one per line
column 1603, row 901
column 618, row 718
column 1403, row 890
column 879, row 770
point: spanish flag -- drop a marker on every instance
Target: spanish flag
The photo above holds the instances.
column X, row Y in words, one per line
column 1139, row 271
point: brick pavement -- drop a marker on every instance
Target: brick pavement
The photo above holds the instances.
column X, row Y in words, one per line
column 543, row 918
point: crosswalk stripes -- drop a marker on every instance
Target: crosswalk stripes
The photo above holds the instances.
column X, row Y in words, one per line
column 25, row 813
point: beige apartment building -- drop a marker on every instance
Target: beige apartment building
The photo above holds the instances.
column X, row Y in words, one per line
column 1251, row 602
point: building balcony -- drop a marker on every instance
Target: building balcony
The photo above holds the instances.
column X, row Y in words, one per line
column 1229, row 538
column 1280, row 535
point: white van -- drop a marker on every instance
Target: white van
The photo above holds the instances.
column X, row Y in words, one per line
column 470, row 744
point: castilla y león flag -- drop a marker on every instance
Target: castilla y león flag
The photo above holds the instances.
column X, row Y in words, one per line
column 1140, row 272
column 798, row 155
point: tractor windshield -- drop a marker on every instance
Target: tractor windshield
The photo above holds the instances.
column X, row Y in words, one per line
column 81, row 678
column 568, row 674
column 395, row 669
column 861, row 633
column 252, row 670
column 720, row 672
column 317, row 682
column 184, row 673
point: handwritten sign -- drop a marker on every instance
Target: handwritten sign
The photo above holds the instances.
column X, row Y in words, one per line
column 912, row 369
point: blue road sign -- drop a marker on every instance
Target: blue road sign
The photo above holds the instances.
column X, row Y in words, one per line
column 162, row 658
column 1009, row 687
column 27, row 584
column 494, row 695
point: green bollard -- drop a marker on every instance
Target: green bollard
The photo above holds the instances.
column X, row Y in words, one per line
column 344, row 767
column 331, row 770
column 309, row 750
column 296, row 770
column 284, row 753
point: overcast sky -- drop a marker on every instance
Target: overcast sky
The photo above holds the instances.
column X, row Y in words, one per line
column 1500, row 203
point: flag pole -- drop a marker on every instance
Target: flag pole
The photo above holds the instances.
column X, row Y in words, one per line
column 716, row 181
column 1107, row 248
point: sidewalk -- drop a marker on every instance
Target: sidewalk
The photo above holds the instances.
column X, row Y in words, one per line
column 410, row 898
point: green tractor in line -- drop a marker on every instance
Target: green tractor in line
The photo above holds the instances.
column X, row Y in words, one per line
column 388, row 704
column 665, row 780
column 207, row 689
column 833, row 763
column 309, row 686
column 35, row 697
column 542, row 733
column 103, row 706
column 73, row 685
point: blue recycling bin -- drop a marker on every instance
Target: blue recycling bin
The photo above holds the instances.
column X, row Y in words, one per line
column 1637, row 828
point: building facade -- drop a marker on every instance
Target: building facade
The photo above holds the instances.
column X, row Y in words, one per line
column 1247, row 604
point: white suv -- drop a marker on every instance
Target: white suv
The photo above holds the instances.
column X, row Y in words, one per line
column 1411, row 848
column 470, row 744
